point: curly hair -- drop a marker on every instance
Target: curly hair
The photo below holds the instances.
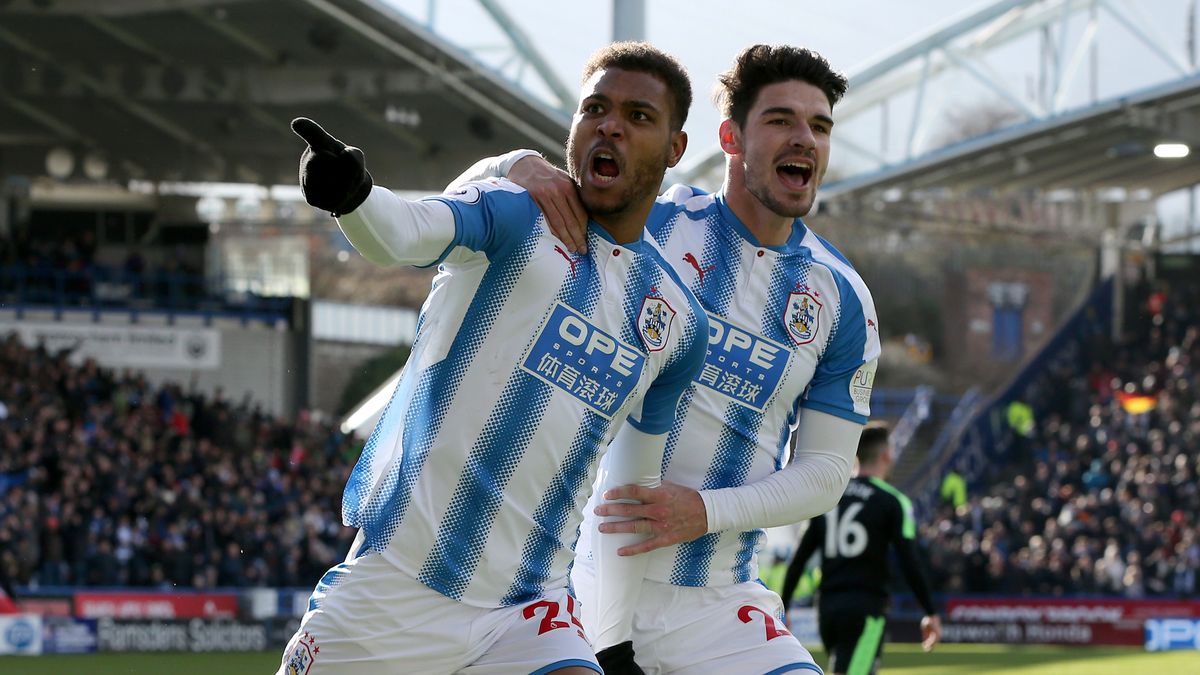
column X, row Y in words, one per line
column 642, row 57
column 761, row 65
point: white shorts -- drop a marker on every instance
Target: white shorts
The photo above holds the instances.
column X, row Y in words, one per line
column 370, row 618
column 704, row 630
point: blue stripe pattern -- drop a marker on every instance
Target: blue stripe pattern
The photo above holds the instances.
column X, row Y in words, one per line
column 544, row 542
column 361, row 480
column 331, row 578
column 480, row 491
column 436, row 390
column 750, row 541
column 692, row 558
column 681, row 413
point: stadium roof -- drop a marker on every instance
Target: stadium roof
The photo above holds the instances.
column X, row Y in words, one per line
column 1109, row 145
column 203, row 90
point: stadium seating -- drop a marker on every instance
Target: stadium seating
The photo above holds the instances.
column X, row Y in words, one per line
column 1103, row 496
column 106, row 480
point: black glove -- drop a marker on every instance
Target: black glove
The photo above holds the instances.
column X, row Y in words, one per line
column 618, row 660
column 333, row 175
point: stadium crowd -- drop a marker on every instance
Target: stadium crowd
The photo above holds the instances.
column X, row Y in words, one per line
column 1102, row 496
column 107, row 480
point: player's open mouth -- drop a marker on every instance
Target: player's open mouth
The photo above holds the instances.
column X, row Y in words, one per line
column 604, row 167
column 795, row 174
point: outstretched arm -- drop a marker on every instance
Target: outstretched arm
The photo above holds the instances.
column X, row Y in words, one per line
column 384, row 228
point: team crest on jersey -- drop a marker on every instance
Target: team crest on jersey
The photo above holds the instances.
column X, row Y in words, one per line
column 654, row 322
column 802, row 316
column 300, row 661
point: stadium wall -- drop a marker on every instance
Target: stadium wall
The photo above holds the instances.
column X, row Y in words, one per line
column 262, row 358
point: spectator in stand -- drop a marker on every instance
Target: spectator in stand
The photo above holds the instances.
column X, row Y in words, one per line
column 1107, row 500
column 108, row 480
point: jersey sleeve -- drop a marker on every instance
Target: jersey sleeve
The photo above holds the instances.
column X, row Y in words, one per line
column 490, row 217
column 633, row 458
column 490, row 167
column 657, row 409
column 842, row 382
column 487, row 218
column 809, row 485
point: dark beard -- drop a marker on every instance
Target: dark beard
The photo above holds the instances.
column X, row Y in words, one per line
column 762, row 194
column 643, row 173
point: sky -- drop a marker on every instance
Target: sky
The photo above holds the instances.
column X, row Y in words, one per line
column 706, row 35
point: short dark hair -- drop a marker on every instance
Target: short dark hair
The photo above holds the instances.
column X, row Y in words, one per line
column 643, row 57
column 761, row 65
column 873, row 442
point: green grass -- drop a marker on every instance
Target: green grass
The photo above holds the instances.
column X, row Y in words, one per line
column 898, row 660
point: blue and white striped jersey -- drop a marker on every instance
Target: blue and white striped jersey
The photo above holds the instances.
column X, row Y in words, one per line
column 791, row 327
column 527, row 360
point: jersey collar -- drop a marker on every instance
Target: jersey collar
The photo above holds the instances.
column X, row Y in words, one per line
column 799, row 229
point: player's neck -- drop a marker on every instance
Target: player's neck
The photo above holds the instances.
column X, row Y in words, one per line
column 873, row 471
column 768, row 227
column 626, row 226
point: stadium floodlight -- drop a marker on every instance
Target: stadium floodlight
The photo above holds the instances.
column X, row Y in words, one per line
column 1171, row 150
column 60, row 162
column 95, row 166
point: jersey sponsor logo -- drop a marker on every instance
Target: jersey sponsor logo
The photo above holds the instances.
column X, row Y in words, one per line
column 803, row 315
column 742, row 366
column 654, row 322
column 577, row 357
column 862, row 383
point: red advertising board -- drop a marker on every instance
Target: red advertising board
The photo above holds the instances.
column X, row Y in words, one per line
column 149, row 605
column 1060, row 620
column 45, row 606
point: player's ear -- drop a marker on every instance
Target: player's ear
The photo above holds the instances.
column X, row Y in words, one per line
column 678, row 145
column 730, row 137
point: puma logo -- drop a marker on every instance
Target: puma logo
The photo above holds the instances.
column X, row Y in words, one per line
column 700, row 271
column 570, row 261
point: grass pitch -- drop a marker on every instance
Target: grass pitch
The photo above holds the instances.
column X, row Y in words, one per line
column 899, row 659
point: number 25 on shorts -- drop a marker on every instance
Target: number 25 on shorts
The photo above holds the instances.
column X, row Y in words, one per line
column 551, row 609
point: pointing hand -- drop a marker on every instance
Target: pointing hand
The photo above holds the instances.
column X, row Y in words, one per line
column 333, row 175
